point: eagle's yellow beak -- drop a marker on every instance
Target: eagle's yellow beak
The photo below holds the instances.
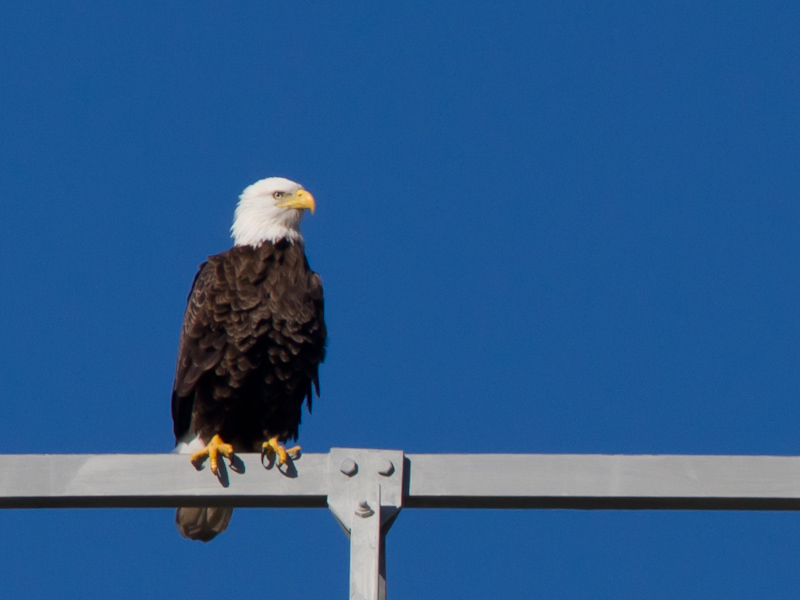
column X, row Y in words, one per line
column 300, row 199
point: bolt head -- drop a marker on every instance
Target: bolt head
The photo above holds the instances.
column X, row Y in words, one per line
column 364, row 510
column 348, row 467
column 386, row 468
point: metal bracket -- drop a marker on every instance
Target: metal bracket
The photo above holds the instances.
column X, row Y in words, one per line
column 365, row 494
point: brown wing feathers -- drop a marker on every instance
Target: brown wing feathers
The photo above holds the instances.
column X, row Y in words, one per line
column 253, row 337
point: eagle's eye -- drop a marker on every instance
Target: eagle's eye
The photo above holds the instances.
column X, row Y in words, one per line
column 278, row 195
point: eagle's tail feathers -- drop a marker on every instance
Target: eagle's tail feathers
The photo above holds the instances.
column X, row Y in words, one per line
column 204, row 523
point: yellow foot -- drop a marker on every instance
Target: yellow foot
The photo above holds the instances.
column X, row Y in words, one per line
column 273, row 446
column 215, row 447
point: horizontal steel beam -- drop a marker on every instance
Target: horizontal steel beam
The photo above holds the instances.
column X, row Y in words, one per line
column 595, row 481
column 156, row 480
column 431, row 481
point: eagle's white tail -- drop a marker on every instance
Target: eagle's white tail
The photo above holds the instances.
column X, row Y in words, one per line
column 203, row 523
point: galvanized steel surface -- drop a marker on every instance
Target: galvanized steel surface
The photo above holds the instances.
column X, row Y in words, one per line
column 430, row 481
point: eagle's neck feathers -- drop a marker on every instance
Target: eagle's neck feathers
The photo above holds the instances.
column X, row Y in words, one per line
column 256, row 237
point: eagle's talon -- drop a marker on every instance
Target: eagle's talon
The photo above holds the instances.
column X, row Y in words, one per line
column 215, row 447
column 273, row 446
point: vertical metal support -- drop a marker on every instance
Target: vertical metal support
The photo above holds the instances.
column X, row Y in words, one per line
column 365, row 549
column 365, row 495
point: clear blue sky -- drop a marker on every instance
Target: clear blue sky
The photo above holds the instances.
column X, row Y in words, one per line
column 542, row 227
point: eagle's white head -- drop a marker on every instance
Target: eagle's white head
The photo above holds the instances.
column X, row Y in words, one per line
column 270, row 210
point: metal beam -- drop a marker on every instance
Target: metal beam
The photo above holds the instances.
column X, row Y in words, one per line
column 156, row 480
column 596, row 481
column 430, row 481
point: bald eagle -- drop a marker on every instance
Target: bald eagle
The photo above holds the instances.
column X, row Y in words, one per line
column 252, row 340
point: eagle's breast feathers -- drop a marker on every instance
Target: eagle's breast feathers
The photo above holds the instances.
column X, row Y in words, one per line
column 253, row 337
